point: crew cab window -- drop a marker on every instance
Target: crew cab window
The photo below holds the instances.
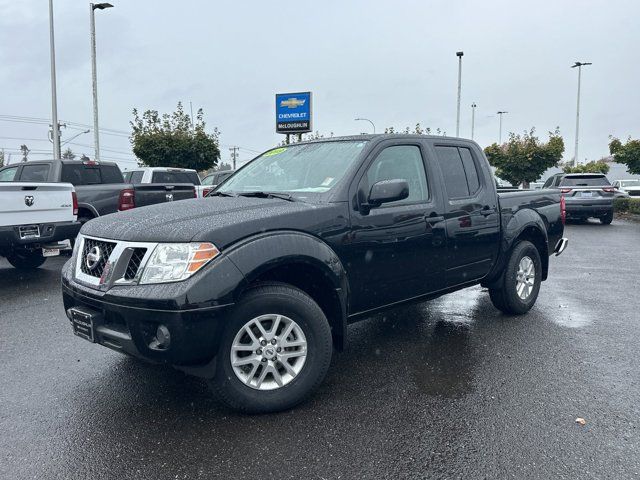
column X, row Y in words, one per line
column 8, row 174
column 175, row 177
column 548, row 183
column 402, row 162
column 35, row 173
column 459, row 170
column 136, row 177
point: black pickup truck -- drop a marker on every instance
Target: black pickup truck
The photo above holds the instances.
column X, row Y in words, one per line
column 100, row 186
column 253, row 286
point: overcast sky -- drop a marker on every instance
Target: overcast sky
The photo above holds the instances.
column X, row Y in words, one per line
column 392, row 62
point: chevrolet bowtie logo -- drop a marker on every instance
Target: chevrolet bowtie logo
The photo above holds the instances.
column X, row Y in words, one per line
column 292, row 102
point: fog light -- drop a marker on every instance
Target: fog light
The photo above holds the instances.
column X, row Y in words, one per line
column 162, row 340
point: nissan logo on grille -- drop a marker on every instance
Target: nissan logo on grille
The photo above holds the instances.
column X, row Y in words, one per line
column 93, row 258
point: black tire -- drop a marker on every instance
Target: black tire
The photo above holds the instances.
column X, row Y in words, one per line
column 607, row 219
column 26, row 260
column 505, row 297
column 293, row 303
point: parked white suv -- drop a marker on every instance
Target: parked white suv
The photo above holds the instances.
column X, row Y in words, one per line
column 164, row 175
column 37, row 220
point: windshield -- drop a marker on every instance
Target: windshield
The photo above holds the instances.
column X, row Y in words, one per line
column 584, row 181
column 630, row 183
column 311, row 167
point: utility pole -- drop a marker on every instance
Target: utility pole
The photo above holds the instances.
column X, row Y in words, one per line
column 234, row 155
column 579, row 65
column 94, row 76
column 459, row 55
column 473, row 118
column 54, row 100
column 500, row 134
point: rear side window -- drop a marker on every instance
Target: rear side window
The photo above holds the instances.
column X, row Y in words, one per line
column 8, row 174
column 136, row 177
column 35, row 173
column 175, row 177
column 585, row 181
column 459, row 170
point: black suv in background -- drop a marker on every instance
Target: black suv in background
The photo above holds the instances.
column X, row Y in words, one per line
column 586, row 195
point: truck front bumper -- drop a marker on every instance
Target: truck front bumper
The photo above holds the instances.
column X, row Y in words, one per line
column 21, row 235
column 149, row 322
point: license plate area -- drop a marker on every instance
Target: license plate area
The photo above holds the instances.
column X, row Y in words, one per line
column 587, row 194
column 50, row 252
column 29, row 231
column 84, row 323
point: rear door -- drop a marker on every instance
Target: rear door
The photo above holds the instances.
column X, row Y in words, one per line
column 23, row 203
column 471, row 211
column 395, row 252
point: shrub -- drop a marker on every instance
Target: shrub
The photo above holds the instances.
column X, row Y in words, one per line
column 627, row 205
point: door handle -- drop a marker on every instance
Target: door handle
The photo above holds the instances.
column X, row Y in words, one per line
column 486, row 211
column 434, row 218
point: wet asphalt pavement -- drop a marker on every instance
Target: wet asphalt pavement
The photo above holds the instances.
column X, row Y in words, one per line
column 446, row 389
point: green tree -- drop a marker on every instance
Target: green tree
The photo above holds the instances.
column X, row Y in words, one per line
column 594, row 166
column 626, row 153
column 68, row 154
column 173, row 140
column 524, row 158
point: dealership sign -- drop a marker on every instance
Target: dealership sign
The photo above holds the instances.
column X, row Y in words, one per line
column 293, row 112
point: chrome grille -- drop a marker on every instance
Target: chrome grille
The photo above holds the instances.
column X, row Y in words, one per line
column 102, row 249
column 134, row 263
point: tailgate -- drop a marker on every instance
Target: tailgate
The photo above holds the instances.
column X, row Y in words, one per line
column 152, row 193
column 24, row 203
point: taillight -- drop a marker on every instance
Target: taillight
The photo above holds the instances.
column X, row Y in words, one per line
column 608, row 189
column 205, row 192
column 74, row 200
column 565, row 190
column 563, row 209
column 127, row 199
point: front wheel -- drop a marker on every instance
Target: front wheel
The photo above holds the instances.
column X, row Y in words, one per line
column 275, row 350
column 520, row 283
column 26, row 260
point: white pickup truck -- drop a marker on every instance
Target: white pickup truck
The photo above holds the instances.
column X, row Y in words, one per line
column 37, row 220
column 166, row 175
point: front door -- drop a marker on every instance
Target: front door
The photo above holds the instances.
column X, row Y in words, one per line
column 395, row 251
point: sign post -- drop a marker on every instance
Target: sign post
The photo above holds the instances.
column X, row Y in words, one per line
column 293, row 113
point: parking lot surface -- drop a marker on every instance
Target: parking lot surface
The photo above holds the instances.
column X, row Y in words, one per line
column 446, row 389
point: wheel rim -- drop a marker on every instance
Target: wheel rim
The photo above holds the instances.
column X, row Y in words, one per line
column 268, row 352
column 525, row 278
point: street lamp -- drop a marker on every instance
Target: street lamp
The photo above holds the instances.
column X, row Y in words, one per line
column 94, row 78
column 500, row 134
column 459, row 55
column 579, row 65
column 55, row 129
column 473, row 118
column 366, row 120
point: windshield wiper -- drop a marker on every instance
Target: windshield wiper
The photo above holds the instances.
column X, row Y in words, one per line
column 259, row 194
column 221, row 194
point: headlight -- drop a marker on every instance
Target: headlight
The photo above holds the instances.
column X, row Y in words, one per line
column 172, row 262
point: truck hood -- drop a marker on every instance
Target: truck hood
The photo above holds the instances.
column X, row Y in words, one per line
column 221, row 220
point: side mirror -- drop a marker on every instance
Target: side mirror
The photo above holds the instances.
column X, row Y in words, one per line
column 387, row 191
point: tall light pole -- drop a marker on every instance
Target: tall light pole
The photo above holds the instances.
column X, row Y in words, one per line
column 579, row 65
column 54, row 100
column 94, row 77
column 473, row 118
column 500, row 113
column 366, row 120
column 459, row 55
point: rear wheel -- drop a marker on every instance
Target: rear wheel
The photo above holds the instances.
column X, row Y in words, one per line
column 275, row 350
column 520, row 283
column 26, row 259
column 607, row 219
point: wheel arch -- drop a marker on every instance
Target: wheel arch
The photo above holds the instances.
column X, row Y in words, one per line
column 300, row 260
